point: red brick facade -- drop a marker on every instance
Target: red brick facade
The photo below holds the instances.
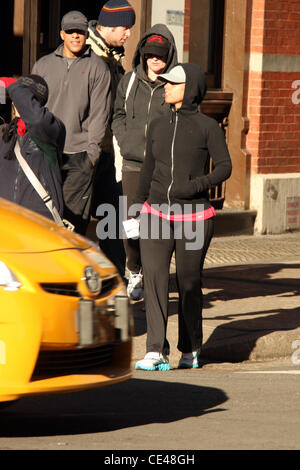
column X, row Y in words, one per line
column 187, row 25
column 273, row 100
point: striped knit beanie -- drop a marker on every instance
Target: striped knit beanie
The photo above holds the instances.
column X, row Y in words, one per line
column 117, row 13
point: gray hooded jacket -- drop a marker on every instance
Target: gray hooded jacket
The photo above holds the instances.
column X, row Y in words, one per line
column 144, row 103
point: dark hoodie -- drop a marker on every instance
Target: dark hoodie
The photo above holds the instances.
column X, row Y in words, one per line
column 176, row 168
column 145, row 102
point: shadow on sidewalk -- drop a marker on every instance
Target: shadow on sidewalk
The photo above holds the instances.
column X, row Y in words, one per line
column 245, row 334
column 248, row 282
column 254, row 280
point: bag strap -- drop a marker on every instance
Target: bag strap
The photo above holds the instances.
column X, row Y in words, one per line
column 129, row 86
column 118, row 156
column 38, row 186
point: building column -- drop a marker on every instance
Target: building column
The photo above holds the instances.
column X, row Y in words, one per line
column 274, row 115
column 31, row 38
column 235, row 77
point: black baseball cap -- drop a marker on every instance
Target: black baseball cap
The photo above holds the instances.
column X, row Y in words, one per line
column 156, row 44
column 74, row 20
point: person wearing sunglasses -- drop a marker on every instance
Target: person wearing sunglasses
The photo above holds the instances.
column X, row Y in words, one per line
column 140, row 98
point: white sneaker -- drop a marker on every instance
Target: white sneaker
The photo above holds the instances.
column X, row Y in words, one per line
column 135, row 287
column 189, row 360
column 153, row 361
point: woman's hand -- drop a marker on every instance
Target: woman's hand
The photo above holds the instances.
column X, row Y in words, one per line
column 184, row 190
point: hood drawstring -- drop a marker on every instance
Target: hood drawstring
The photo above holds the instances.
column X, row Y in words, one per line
column 163, row 98
column 133, row 100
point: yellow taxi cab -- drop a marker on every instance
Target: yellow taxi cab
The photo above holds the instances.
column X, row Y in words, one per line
column 65, row 322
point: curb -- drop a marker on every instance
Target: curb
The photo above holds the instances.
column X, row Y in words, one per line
column 275, row 345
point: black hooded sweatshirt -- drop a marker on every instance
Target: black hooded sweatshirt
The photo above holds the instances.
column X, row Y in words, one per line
column 145, row 102
column 179, row 147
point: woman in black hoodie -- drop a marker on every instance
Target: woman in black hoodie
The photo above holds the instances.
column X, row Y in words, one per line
column 176, row 215
column 140, row 98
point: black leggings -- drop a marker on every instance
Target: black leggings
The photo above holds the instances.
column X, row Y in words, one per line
column 156, row 257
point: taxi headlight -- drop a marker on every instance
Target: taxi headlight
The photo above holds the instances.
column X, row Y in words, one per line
column 8, row 280
column 92, row 280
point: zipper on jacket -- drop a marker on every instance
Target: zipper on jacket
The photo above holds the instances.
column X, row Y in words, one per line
column 148, row 112
column 172, row 163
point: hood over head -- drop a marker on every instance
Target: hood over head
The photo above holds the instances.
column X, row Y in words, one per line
column 194, row 78
column 160, row 30
column 195, row 89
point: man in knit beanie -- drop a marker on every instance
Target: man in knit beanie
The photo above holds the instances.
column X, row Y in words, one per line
column 107, row 36
column 114, row 22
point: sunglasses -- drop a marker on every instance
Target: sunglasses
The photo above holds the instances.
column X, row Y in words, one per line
column 156, row 56
column 78, row 31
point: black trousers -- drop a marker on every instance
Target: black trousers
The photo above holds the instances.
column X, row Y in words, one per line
column 130, row 181
column 156, row 253
column 107, row 191
column 77, row 176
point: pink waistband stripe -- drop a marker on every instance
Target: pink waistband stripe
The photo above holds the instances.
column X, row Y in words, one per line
column 194, row 217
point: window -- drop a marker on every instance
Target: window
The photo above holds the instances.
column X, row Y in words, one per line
column 197, row 27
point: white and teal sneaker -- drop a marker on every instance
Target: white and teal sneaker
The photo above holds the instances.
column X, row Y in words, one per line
column 189, row 360
column 153, row 361
column 135, row 287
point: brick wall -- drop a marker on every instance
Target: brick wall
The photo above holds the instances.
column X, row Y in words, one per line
column 274, row 79
column 187, row 26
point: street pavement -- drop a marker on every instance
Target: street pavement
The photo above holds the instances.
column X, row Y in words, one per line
column 251, row 312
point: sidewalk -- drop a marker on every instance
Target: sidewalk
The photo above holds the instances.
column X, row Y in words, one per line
column 251, row 309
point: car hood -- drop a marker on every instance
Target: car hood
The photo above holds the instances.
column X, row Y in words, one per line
column 22, row 230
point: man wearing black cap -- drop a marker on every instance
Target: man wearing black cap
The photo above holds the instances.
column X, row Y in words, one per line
column 79, row 94
column 107, row 36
